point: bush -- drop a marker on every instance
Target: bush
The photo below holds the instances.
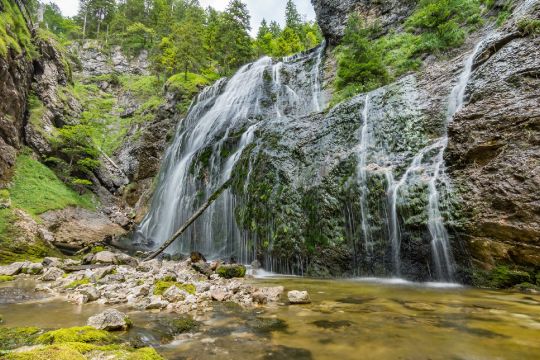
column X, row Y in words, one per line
column 231, row 271
column 529, row 26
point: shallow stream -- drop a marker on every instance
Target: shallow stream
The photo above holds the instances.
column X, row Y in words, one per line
column 348, row 319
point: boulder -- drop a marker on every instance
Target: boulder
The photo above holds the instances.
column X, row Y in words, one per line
column 196, row 257
column 156, row 303
column 231, row 271
column 124, row 259
column 32, row 268
column 110, row 320
column 202, row 267
column 52, row 274
column 267, row 294
column 174, row 294
column 90, row 292
column 298, row 297
column 220, row 294
column 12, row 269
column 105, row 257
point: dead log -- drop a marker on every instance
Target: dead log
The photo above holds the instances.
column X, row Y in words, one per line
column 191, row 220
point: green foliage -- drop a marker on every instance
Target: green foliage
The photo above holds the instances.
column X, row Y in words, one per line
column 78, row 283
column 366, row 62
column 6, row 278
column 231, row 271
column 12, row 338
column 64, row 28
column 161, row 286
column 36, row 189
column 528, row 26
column 14, row 32
column 297, row 36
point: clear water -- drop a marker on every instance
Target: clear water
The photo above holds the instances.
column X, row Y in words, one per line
column 383, row 319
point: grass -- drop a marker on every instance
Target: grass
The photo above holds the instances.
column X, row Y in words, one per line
column 529, row 26
column 36, row 189
column 187, row 88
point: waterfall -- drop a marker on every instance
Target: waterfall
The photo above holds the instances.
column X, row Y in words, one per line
column 221, row 124
column 362, row 176
column 442, row 254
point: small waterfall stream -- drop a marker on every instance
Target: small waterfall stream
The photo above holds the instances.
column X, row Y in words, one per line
column 374, row 159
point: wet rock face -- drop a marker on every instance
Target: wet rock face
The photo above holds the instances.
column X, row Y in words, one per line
column 15, row 77
column 332, row 15
column 494, row 153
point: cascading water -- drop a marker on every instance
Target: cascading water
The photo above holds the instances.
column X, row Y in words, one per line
column 380, row 166
column 220, row 125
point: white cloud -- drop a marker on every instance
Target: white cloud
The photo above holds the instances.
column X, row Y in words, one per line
column 259, row 9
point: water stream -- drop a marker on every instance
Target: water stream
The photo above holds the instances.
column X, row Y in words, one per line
column 355, row 319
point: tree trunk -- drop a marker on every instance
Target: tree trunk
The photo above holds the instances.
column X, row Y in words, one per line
column 191, row 220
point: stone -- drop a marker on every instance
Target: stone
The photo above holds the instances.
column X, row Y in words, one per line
column 156, row 303
column 100, row 273
column 52, row 262
column 220, row 294
column 52, row 274
column 105, row 257
column 90, row 292
column 11, row 269
column 265, row 295
column 298, row 297
column 196, row 257
column 174, row 294
column 110, row 320
column 78, row 298
column 203, row 268
column 124, row 259
column 33, row 269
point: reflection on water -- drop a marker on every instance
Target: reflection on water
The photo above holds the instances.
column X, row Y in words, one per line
column 353, row 319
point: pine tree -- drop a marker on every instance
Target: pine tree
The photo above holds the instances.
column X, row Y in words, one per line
column 292, row 16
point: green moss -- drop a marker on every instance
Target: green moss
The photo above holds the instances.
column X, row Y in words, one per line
column 76, row 351
column 35, row 109
column 78, row 283
column 14, row 32
column 86, row 334
column 6, row 278
column 12, row 338
column 36, row 189
column 501, row 277
column 231, row 271
column 161, row 286
column 97, row 249
column 187, row 88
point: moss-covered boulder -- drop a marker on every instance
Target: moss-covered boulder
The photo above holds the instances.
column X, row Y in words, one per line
column 231, row 271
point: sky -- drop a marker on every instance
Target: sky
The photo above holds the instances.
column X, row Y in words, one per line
column 259, row 9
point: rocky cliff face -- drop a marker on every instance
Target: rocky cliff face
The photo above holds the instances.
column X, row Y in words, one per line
column 494, row 151
column 332, row 15
column 492, row 210
column 15, row 77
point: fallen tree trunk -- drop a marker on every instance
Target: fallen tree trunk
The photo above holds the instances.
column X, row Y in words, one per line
column 191, row 220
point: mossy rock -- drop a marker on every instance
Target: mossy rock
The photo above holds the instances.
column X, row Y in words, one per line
column 161, row 286
column 85, row 334
column 268, row 325
column 12, row 338
column 76, row 351
column 78, row 283
column 231, row 271
column 501, row 277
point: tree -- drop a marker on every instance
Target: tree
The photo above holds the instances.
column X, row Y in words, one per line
column 93, row 14
column 292, row 16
